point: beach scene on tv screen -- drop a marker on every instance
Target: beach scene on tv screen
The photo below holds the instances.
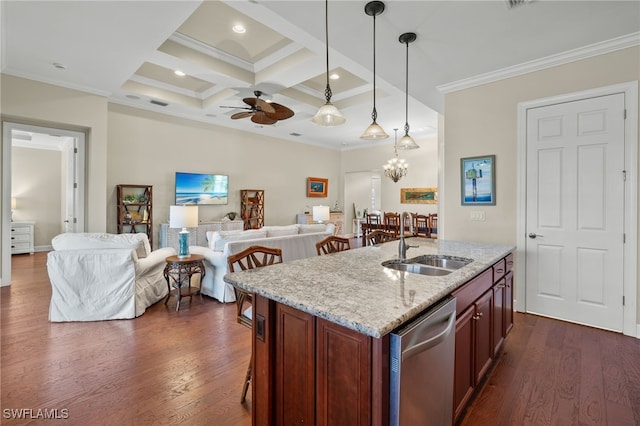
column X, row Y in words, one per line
column 197, row 188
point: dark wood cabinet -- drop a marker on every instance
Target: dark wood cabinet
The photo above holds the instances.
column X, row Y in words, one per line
column 323, row 373
column 484, row 308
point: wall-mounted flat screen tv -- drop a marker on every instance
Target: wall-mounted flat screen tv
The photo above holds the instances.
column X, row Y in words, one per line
column 201, row 189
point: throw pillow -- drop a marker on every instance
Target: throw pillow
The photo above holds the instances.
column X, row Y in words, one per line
column 249, row 234
column 312, row 228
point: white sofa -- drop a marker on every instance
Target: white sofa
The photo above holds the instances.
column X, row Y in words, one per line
column 296, row 241
column 97, row 276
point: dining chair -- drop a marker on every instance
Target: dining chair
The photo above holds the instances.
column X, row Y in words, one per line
column 433, row 225
column 380, row 236
column 422, row 227
column 373, row 222
column 332, row 244
column 392, row 222
column 250, row 258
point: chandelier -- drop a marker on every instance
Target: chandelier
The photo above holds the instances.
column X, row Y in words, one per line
column 396, row 167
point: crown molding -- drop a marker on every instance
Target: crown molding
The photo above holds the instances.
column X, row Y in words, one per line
column 618, row 43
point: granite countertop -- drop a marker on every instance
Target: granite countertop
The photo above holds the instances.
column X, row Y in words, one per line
column 353, row 289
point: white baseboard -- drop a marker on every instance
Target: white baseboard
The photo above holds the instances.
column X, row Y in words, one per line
column 43, row 248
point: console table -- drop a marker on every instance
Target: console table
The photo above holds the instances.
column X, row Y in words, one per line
column 337, row 218
column 197, row 236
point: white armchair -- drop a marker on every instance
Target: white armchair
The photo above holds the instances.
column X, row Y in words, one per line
column 96, row 276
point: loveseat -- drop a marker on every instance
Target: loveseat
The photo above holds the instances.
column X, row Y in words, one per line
column 98, row 276
column 296, row 241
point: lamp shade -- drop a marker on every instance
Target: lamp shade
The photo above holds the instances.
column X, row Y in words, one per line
column 321, row 213
column 374, row 132
column 183, row 216
column 407, row 142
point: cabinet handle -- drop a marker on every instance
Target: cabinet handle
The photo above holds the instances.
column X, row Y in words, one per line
column 500, row 271
column 477, row 316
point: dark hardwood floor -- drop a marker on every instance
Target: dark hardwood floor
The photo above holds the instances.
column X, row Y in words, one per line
column 187, row 367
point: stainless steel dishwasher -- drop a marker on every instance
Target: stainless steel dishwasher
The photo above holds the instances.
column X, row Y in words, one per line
column 422, row 361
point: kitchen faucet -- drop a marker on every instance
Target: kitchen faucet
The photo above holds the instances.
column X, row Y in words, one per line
column 402, row 246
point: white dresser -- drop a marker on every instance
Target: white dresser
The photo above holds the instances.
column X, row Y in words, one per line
column 22, row 237
column 197, row 236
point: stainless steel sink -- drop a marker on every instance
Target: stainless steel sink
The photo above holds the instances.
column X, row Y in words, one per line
column 434, row 265
column 441, row 261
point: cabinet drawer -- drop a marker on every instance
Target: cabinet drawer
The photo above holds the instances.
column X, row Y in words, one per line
column 20, row 246
column 18, row 238
column 509, row 262
column 20, row 230
column 498, row 270
column 471, row 291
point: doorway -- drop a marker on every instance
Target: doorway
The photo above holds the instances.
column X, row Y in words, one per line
column 578, row 209
column 43, row 180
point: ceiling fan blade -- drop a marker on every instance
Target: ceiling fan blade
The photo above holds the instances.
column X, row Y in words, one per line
column 261, row 117
column 238, row 115
column 259, row 103
column 235, row 107
column 281, row 112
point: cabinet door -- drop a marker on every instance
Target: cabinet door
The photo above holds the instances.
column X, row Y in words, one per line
column 343, row 376
column 508, row 303
column 483, row 324
column 463, row 375
column 294, row 366
column 498, row 315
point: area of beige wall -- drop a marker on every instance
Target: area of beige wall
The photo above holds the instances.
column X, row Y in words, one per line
column 148, row 148
column 36, row 184
column 30, row 102
column 483, row 120
column 423, row 172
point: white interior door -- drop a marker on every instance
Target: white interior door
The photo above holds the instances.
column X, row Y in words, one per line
column 575, row 211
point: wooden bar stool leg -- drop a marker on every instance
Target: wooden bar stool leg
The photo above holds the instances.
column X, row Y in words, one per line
column 247, row 381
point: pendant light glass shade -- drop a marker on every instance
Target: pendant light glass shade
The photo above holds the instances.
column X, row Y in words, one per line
column 374, row 131
column 407, row 141
column 328, row 114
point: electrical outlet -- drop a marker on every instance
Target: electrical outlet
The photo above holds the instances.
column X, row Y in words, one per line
column 478, row 215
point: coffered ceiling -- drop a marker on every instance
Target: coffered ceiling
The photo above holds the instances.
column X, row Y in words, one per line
column 128, row 51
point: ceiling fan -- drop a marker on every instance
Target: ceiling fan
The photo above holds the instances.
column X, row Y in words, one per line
column 260, row 111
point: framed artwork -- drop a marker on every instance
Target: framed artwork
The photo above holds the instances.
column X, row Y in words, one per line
column 317, row 187
column 419, row 195
column 478, row 180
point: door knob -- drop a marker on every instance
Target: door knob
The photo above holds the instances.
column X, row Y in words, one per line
column 533, row 235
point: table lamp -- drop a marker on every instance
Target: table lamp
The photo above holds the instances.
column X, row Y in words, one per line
column 183, row 217
column 321, row 213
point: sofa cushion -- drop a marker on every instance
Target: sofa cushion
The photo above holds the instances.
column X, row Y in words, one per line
column 312, row 228
column 85, row 240
column 218, row 239
column 280, row 231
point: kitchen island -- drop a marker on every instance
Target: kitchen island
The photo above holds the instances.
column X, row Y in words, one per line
column 321, row 326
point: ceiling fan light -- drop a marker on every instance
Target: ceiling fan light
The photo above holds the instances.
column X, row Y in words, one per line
column 328, row 115
column 407, row 142
column 374, row 132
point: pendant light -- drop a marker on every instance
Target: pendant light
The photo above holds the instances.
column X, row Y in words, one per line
column 328, row 114
column 407, row 141
column 374, row 131
column 395, row 168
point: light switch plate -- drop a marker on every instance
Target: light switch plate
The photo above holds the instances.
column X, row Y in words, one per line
column 478, row 215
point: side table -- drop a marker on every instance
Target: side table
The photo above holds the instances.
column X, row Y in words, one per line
column 178, row 273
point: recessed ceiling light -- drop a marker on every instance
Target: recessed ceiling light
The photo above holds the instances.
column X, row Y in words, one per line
column 59, row 66
column 179, row 73
column 133, row 97
column 239, row 29
column 334, row 76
